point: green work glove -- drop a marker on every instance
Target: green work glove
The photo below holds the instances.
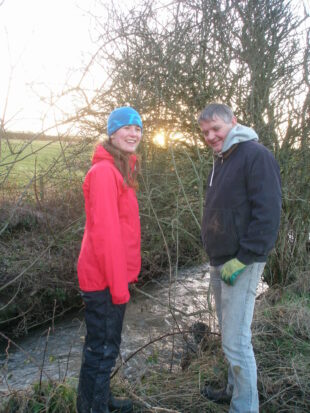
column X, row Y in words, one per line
column 230, row 271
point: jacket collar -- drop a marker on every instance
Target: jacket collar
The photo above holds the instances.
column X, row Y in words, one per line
column 101, row 154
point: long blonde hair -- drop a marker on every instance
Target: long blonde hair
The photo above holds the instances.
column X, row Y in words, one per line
column 122, row 163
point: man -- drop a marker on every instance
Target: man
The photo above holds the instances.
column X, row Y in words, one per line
column 239, row 228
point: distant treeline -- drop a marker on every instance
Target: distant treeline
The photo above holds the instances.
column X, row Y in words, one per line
column 39, row 137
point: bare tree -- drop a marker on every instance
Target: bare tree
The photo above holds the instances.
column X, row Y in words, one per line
column 170, row 59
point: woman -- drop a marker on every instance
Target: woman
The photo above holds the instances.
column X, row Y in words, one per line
column 109, row 258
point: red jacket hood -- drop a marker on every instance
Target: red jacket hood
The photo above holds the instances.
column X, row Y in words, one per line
column 102, row 154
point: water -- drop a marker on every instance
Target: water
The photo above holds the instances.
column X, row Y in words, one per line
column 147, row 318
column 59, row 350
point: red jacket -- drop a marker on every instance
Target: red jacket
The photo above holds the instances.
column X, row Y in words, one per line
column 110, row 252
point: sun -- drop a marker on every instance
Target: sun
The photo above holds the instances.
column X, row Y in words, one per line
column 159, row 139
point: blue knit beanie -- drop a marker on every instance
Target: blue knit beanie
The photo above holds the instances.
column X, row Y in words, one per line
column 122, row 117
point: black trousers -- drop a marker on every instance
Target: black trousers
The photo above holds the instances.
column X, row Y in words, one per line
column 104, row 322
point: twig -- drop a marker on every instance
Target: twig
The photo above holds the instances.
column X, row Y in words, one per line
column 199, row 312
column 39, row 256
column 150, row 407
column 12, row 299
column 44, row 354
column 53, row 316
column 34, row 361
column 152, row 342
column 67, row 363
column 6, row 363
column 183, row 189
column 286, row 389
column 143, row 347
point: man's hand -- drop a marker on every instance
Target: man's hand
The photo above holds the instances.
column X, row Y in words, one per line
column 230, row 271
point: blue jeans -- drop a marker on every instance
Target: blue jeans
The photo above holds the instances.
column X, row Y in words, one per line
column 234, row 308
column 104, row 322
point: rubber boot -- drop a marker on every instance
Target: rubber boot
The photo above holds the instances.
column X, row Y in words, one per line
column 102, row 410
column 82, row 404
column 120, row 405
column 223, row 395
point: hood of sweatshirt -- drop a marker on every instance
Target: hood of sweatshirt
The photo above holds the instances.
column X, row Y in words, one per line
column 238, row 134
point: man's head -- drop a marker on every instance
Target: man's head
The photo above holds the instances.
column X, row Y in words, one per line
column 215, row 122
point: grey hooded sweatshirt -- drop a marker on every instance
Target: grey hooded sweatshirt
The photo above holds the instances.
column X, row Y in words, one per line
column 237, row 134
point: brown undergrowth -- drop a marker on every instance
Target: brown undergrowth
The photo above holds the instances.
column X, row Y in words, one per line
column 281, row 339
column 38, row 249
column 282, row 345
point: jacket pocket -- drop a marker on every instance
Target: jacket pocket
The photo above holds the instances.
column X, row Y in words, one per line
column 219, row 233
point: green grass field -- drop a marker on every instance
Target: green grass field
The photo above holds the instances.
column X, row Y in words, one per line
column 21, row 160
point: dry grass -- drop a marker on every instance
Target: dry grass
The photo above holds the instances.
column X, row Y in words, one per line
column 38, row 250
column 179, row 391
column 282, row 346
column 281, row 339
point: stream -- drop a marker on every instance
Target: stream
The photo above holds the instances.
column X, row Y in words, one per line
column 58, row 348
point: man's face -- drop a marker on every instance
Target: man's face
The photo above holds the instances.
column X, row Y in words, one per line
column 215, row 131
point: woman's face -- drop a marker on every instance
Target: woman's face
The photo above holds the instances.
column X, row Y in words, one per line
column 127, row 138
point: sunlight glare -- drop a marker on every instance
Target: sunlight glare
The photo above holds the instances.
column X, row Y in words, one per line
column 159, row 139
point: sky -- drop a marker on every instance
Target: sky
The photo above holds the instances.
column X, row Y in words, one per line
column 43, row 46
